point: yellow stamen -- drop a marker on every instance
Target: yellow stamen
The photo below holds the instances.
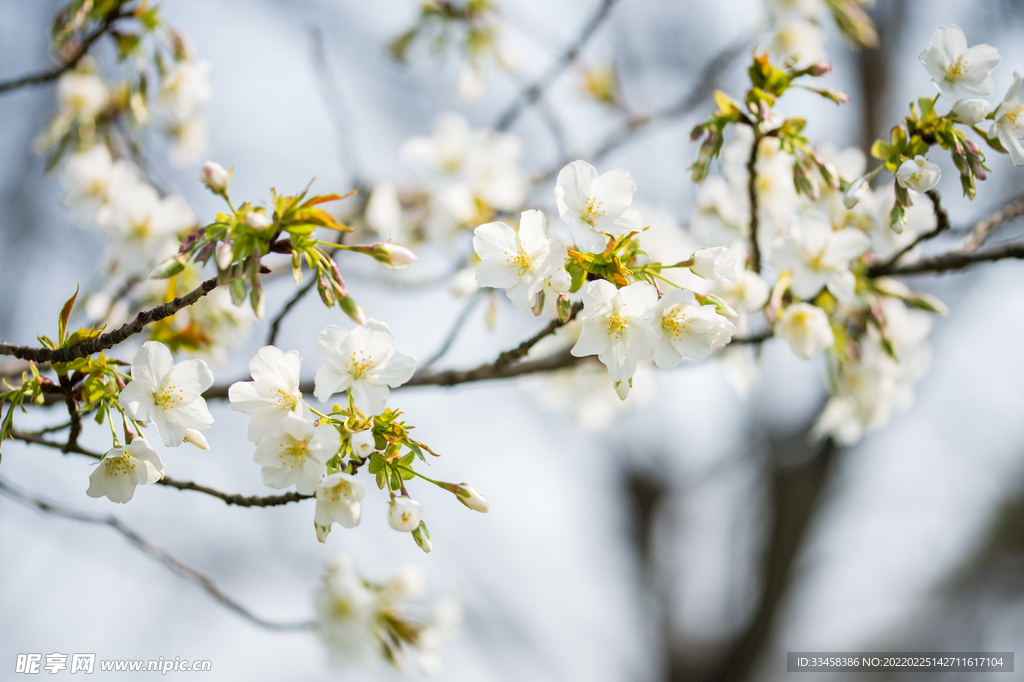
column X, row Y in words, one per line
column 616, row 325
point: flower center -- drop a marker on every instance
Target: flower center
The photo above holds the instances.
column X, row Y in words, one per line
column 341, row 607
column 591, row 211
column 295, row 451
column 958, row 69
column 169, row 398
column 119, row 465
column 285, row 399
column 1015, row 115
column 675, row 323
column 520, row 260
column 616, row 324
column 359, row 363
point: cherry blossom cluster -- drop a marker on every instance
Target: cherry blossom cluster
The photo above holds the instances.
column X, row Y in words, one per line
column 360, row 620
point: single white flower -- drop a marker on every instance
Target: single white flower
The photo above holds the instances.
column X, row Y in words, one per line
column 956, row 70
column 748, row 293
column 86, row 175
column 518, row 262
column 715, row 262
column 856, row 192
column 85, row 94
column 346, row 610
column 1009, row 120
column 167, row 394
column 407, row 584
column 560, row 281
column 338, row 499
column 918, row 174
column 273, row 395
column 363, row 443
column 799, row 40
column 685, row 328
column 404, row 514
column 971, row 111
column 185, row 88
column 471, row 497
column 364, row 362
column 596, row 207
column 215, row 177
column 122, row 469
column 819, row 257
column 297, row 452
column 806, row 328
column 145, row 226
column 617, row 328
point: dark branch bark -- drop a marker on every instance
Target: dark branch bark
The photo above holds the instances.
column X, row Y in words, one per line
column 176, row 565
column 55, row 73
column 958, row 260
column 110, row 339
column 755, row 248
column 983, row 228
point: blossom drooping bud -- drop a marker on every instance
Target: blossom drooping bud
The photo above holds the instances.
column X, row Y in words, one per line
column 404, row 514
column 718, row 262
column 560, row 281
column 170, row 267
column 257, row 220
column 918, row 174
column 471, row 497
column 856, row 192
column 970, row 111
column 393, row 255
column 215, row 177
column 362, row 443
column 422, row 537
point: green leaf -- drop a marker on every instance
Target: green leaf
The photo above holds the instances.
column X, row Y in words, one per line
column 407, row 460
column 376, row 464
column 416, row 449
column 396, row 479
column 380, row 479
column 65, row 313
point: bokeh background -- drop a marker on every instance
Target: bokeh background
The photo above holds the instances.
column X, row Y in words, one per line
column 696, row 537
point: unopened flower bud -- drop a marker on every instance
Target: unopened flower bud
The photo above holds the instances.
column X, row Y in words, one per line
column 215, row 177
column 819, row 69
column 717, row 262
column 393, row 255
column 970, row 111
column 404, row 514
column 258, row 299
column 354, row 311
column 170, row 267
column 197, row 439
column 564, row 308
column 561, row 281
column 257, row 220
column 362, row 443
column 322, row 531
column 471, row 497
column 422, row 537
column 856, row 192
column 225, row 256
column 238, row 291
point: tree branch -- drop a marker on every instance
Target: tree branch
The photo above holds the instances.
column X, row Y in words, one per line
column 275, row 325
column 453, row 334
column 941, row 225
column 55, row 73
column 958, row 260
column 984, row 227
column 228, row 498
column 755, row 247
column 110, row 339
column 184, row 570
column 534, row 92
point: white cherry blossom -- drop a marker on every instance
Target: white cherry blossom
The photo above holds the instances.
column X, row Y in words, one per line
column 856, row 192
column 518, row 262
column 363, row 362
column 819, row 257
column 806, row 328
column 956, row 70
column 971, row 111
column 296, row 452
column 167, row 394
column 716, row 262
column 363, row 443
column 346, row 609
column 273, row 395
column 214, row 176
column 338, row 499
column 594, row 206
column 1009, row 120
column 617, row 328
column 918, row 174
column 85, row 94
column 404, row 514
column 685, row 328
column 123, row 469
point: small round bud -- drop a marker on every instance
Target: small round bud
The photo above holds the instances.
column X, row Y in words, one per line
column 257, row 220
column 404, row 514
column 560, row 281
column 215, row 177
column 362, row 443
column 471, row 497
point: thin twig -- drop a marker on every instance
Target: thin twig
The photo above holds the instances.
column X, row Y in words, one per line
column 279, row 318
column 228, row 498
column 753, row 339
column 110, row 339
column 984, row 227
column 941, row 225
column 755, row 246
column 73, row 413
column 453, row 334
column 534, row 92
column 184, row 570
column 55, row 73
column 957, row 260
